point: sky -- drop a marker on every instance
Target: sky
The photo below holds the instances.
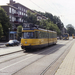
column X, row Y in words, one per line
column 64, row 9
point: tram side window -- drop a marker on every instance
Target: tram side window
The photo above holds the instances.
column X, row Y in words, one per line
column 36, row 34
column 50, row 35
column 55, row 35
column 39, row 34
column 42, row 34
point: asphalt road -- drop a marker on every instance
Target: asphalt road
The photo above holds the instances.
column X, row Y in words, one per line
column 32, row 63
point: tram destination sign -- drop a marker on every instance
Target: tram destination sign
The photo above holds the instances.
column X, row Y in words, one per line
column 27, row 26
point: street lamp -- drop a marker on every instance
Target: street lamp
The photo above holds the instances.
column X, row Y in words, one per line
column 9, row 33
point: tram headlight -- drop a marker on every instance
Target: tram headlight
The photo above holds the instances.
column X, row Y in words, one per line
column 21, row 44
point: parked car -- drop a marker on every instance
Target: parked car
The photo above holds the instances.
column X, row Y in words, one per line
column 12, row 43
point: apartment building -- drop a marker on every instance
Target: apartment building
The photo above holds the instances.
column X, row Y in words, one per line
column 15, row 11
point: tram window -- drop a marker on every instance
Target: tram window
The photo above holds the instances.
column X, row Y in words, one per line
column 28, row 35
column 36, row 34
column 42, row 34
column 50, row 35
column 39, row 34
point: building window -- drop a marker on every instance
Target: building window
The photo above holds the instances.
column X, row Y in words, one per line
column 10, row 17
column 20, row 20
column 13, row 11
column 19, row 8
column 13, row 19
column 19, row 12
column 26, row 15
column 24, row 10
column 9, row 9
column 22, row 13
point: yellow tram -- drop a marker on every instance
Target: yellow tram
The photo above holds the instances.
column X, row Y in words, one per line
column 65, row 36
column 34, row 37
column 73, row 35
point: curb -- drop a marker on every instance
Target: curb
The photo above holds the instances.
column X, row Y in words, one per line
column 54, row 67
column 11, row 53
column 2, row 46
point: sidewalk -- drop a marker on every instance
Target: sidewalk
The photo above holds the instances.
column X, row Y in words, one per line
column 9, row 50
column 2, row 44
column 67, row 67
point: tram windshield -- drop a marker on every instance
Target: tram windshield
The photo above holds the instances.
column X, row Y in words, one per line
column 65, row 35
column 26, row 35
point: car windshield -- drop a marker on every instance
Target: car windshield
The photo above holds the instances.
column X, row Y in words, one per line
column 65, row 35
column 27, row 35
column 11, row 41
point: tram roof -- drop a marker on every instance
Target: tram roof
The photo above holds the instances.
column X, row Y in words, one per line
column 46, row 30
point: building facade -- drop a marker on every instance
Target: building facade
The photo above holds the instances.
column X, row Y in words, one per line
column 15, row 11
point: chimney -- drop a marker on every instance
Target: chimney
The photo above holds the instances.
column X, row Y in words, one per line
column 11, row 2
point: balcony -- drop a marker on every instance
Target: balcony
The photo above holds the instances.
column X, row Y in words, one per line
column 17, row 22
column 17, row 15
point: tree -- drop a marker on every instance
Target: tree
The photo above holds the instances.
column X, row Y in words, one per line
column 45, row 24
column 19, row 32
column 54, row 19
column 30, row 18
column 70, row 29
column 4, row 20
column 53, row 27
column 1, row 30
column 50, row 23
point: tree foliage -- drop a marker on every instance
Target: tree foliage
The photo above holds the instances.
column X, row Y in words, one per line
column 45, row 24
column 1, row 30
column 54, row 19
column 4, row 20
column 30, row 18
column 50, row 23
column 19, row 31
column 70, row 29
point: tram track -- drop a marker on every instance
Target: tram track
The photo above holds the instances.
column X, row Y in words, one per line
column 40, row 59
column 24, row 54
column 58, row 59
column 43, row 53
column 8, row 59
column 30, row 55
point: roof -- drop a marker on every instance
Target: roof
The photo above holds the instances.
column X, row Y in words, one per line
column 13, row 32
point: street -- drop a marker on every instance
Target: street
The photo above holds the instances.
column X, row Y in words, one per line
column 38, row 62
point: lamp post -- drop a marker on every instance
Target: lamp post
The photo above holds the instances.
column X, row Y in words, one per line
column 9, row 33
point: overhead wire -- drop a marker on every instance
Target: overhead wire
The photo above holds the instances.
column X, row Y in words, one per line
column 37, row 5
column 50, row 6
column 57, row 11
